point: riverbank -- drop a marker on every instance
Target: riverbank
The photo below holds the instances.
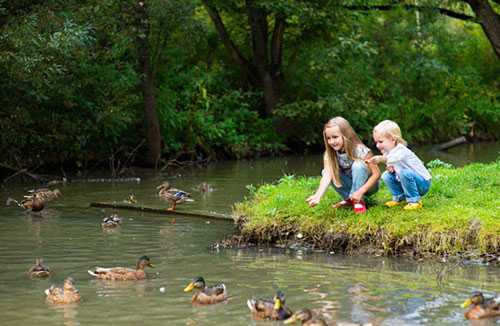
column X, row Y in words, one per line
column 460, row 216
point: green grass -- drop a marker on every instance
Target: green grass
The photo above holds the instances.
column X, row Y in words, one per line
column 461, row 214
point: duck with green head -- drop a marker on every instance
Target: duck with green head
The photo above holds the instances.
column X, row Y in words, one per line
column 204, row 294
column 480, row 307
column 264, row 309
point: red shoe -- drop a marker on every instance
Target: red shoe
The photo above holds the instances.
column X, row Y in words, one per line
column 359, row 207
column 343, row 203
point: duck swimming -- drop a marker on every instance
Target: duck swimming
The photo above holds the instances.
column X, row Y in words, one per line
column 67, row 294
column 39, row 269
column 275, row 309
column 123, row 273
column 45, row 194
column 173, row 195
column 206, row 294
column 111, row 222
column 480, row 307
column 306, row 318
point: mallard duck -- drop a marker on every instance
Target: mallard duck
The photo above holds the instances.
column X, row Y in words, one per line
column 206, row 294
column 480, row 307
column 205, row 187
column 67, row 294
column 46, row 194
column 275, row 309
column 39, row 269
column 173, row 195
column 305, row 316
column 111, row 222
column 33, row 203
column 131, row 199
column 123, row 273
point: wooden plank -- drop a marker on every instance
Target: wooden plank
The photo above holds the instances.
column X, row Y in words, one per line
column 161, row 211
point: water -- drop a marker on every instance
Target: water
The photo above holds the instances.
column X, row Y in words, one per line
column 69, row 237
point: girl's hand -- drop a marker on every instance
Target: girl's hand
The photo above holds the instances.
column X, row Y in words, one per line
column 313, row 200
column 356, row 196
column 390, row 168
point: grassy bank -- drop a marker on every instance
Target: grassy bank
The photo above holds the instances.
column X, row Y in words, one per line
column 461, row 214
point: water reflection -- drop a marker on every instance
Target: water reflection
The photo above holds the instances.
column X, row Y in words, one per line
column 382, row 291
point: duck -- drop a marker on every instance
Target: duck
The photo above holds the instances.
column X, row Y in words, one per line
column 111, row 222
column 67, row 294
column 32, row 203
column 480, row 307
column 39, row 269
column 131, row 199
column 123, row 273
column 206, row 294
column 263, row 309
column 173, row 195
column 45, row 194
column 205, row 187
column 306, row 318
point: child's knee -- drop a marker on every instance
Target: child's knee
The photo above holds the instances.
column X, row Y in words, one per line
column 388, row 176
column 406, row 174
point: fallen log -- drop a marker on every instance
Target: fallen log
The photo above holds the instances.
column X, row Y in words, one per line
column 216, row 216
column 451, row 143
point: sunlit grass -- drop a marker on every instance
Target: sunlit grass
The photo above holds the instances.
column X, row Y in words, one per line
column 461, row 213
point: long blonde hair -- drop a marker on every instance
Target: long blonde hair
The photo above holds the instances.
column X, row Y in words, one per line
column 351, row 140
column 390, row 128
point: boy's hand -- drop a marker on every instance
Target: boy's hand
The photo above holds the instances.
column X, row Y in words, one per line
column 374, row 159
column 390, row 168
column 313, row 200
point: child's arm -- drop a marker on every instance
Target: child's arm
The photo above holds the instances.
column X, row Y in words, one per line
column 375, row 175
column 376, row 159
column 323, row 185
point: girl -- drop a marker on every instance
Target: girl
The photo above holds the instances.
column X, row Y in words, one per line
column 345, row 167
column 406, row 175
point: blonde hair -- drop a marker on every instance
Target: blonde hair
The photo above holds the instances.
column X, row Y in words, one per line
column 389, row 128
column 351, row 140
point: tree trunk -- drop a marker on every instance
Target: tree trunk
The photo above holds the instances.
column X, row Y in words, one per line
column 263, row 70
column 490, row 22
column 151, row 123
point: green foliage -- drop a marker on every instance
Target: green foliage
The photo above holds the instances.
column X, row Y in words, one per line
column 70, row 78
column 195, row 120
column 460, row 213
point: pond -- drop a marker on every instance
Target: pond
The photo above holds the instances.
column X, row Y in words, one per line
column 380, row 290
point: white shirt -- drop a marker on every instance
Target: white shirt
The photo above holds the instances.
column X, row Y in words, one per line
column 400, row 157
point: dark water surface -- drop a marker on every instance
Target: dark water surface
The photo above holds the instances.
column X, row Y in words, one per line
column 382, row 291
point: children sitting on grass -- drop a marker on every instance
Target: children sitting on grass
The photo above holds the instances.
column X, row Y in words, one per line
column 406, row 176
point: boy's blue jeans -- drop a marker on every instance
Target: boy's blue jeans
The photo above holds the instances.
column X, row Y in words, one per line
column 354, row 179
column 410, row 186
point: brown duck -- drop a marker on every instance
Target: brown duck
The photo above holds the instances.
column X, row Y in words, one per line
column 123, row 273
column 39, row 269
column 67, row 294
column 306, row 318
column 173, row 195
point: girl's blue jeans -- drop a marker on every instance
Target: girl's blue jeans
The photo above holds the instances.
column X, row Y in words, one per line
column 407, row 184
column 354, row 179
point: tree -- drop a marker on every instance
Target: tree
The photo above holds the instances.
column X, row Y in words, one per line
column 151, row 123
